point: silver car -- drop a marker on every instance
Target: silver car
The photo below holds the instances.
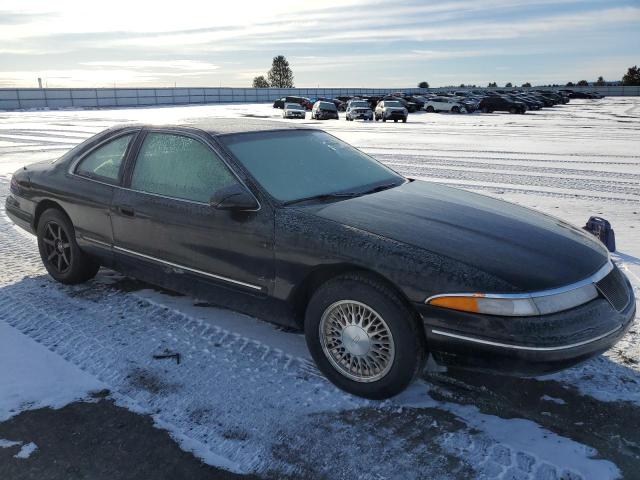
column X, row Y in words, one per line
column 391, row 110
column 359, row 109
column 293, row 110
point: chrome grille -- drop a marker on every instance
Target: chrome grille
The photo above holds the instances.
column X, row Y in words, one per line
column 613, row 287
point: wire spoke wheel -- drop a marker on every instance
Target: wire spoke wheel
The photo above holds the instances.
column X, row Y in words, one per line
column 57, row 247
column 357, row 341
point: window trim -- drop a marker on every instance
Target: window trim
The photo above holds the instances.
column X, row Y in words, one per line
column 131, row 164
column 73, row 169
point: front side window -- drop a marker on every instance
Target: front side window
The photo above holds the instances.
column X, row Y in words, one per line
column 179, row 167
column 297, row 164
column 104, row 162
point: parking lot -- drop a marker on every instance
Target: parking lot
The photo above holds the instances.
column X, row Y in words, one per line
column 245, row 396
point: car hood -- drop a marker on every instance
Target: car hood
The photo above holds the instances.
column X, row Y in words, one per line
column 527, row 249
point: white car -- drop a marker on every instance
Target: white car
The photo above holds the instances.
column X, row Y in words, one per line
column 391, row 110
column 444, row 104
column 293, row 110
column 359, row 109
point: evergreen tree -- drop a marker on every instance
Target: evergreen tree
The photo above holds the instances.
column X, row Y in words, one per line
column 570, row 84
column 632, row 77
column 423, row 85
column 526, row 85
column 260, row 82
column 492, row 85
column 280, row 75
column 582, row 83
column 508, row 85
column 600, row 82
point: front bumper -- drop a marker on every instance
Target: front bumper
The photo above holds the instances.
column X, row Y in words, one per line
column 525, row 346
column 294, row 115
column 363, row 116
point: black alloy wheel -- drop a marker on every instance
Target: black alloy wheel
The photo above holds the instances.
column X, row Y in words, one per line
column 60, row 254
column 57, row 247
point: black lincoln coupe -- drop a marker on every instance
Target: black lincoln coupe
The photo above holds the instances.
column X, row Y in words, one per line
column 297, row 227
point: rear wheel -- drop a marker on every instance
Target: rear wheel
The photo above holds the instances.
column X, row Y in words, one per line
column 363, row 336
column 59, row 251
column 513, row 110
column 404, row 120
column 384, row 119
column 395, row 120
column 455, row 109
column 430, row 109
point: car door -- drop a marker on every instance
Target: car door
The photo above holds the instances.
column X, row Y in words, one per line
column 97, row 174
column 164, row 217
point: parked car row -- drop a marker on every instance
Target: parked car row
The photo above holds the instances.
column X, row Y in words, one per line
column 397, row 105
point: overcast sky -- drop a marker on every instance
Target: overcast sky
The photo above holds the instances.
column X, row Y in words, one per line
column 331, row 43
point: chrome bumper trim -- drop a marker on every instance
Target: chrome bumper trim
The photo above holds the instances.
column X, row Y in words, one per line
column 524, row 347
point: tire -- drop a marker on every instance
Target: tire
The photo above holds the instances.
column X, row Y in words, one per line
column 395, row 120
column 485, row 110
column 455, row 109
column 384, row 119
column 59, row 251
column 430, row 109
column 404, row 120
column 396, row 367
column 513, row 110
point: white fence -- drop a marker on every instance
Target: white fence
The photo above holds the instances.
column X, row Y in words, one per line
column 27, row 98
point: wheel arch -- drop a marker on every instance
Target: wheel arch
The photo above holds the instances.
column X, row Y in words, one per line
column 305, row 289
column 43, row 206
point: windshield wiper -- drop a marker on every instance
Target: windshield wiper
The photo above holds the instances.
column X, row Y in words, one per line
column 323, row 196
column 379, row 188
column 329, row 196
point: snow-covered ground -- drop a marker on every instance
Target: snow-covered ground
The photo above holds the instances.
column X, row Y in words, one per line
column 246, row 396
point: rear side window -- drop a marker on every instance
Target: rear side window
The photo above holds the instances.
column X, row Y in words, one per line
column 179, row 167
column 105, row 161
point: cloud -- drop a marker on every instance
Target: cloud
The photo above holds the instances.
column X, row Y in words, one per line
column 186, row 65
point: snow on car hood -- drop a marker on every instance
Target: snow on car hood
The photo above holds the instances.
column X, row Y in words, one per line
column 525, row 248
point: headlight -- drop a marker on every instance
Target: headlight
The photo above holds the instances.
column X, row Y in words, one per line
column 523, row 304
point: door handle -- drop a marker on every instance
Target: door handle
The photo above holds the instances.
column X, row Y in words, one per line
column 126, row 211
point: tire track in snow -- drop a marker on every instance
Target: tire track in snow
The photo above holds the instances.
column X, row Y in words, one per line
column 426, row 162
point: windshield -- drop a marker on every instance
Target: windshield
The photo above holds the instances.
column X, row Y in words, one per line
column 293, row 106
column 296, row 164
column 359, row 104
column 327, row 106
column 388, row 103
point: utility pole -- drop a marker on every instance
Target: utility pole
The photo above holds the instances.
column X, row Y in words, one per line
column 39, row 82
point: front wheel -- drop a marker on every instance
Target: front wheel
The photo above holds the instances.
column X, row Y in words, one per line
column 384, row 119
column 363, row 337
column 59, row 251
column 430, row 109
column 404, row 120
column 455, row 110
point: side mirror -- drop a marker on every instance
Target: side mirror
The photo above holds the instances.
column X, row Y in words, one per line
column 234, row 197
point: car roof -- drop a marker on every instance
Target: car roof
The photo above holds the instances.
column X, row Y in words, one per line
column 225, row 126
